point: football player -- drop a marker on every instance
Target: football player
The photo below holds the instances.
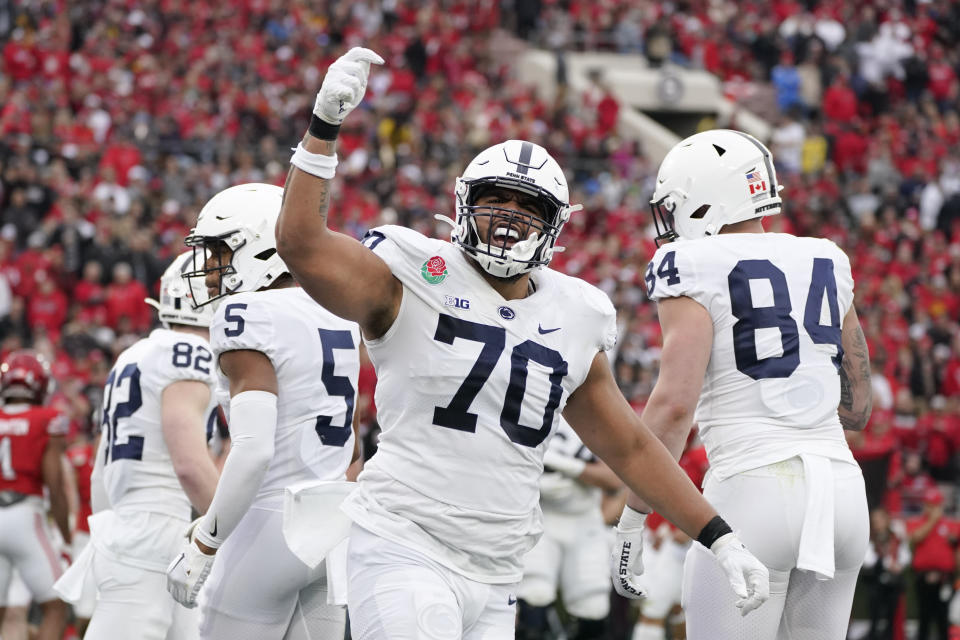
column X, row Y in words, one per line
column 153, row 464
column 288, row 374
column 571, row 555
column 763, row 347
column 32, row 442
column 478, row 348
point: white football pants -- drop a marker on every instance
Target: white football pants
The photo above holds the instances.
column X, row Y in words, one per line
column 259, row 590
column 25, row 545
column 766, row 508
column 133, row 600
column 397, row 593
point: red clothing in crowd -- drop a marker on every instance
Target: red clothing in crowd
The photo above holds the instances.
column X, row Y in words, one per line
column 839, row 103
column 48, row 311
column 936, row 551
column 127, row 300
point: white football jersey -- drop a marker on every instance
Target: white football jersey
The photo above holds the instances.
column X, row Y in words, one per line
column 314, row 354
column 138, row 474
column 560, row 493
column 772, row 384
column 469, row 388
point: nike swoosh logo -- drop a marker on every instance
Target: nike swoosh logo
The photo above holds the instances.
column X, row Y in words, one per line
column 511, row 600
column 545, row 331
column 213, row 531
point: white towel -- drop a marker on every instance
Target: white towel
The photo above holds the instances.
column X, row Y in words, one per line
column 313, row 524
column 70, row 585
column 337, row 574
column 816, row 536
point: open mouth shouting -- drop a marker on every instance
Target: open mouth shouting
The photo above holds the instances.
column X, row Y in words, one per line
column 505, row 236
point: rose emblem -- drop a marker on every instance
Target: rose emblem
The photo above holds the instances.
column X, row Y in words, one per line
column 434, row 270
column 436, row 266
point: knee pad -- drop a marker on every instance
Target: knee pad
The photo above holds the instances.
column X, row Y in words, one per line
column 532, row 622
column 586, row 629
column 592, row 607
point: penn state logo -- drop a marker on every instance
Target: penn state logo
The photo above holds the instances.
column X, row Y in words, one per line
column 507, row 313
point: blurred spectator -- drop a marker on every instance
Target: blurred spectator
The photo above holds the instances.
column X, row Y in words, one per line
column 888, row 556
column 934, row 540
column 47, row 307
column 912, row 485
column 124, row 301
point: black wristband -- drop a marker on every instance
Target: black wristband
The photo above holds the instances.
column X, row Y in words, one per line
column 713, row 531
column 323, row 130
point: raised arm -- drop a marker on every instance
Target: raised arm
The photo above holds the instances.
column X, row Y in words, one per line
column 335, row 269
column 856, row 392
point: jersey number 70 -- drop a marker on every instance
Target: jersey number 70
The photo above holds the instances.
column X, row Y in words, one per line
column 456, row 415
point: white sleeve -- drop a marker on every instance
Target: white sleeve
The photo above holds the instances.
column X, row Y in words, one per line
column 253, row 427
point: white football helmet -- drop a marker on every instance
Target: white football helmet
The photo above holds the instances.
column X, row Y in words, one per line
column 710, row 180
column 520, row 166
column 181, row 302
column 242, row 218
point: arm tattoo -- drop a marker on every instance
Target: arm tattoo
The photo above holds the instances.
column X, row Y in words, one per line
column 854, row 408
column 323, row 198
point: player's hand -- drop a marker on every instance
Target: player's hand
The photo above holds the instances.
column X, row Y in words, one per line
column 748, row 576
column 626, row 561
column 187, row 573
column 344, row 85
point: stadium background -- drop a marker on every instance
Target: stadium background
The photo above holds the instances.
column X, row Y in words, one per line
column 120, row 118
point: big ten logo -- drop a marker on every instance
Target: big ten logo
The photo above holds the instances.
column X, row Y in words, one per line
column 453, row 301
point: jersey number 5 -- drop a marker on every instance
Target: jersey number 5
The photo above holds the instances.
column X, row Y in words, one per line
column 330, row 434
column 823, row 285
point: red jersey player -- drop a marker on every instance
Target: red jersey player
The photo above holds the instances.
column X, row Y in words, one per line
column 31, row 447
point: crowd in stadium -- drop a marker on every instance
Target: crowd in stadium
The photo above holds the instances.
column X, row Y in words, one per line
column 119, row 120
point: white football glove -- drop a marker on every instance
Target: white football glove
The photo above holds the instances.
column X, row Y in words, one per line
column 626, row 561
column 344, row 85
column 188, row 571
column 748, row 576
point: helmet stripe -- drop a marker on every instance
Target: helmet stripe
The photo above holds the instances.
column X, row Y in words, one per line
column 767, row 160
column 526, row 151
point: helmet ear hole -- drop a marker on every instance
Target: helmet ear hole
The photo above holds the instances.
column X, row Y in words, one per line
column 699, row 213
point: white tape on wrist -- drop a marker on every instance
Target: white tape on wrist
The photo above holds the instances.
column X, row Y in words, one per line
column 316, row 164
column 631, row 519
